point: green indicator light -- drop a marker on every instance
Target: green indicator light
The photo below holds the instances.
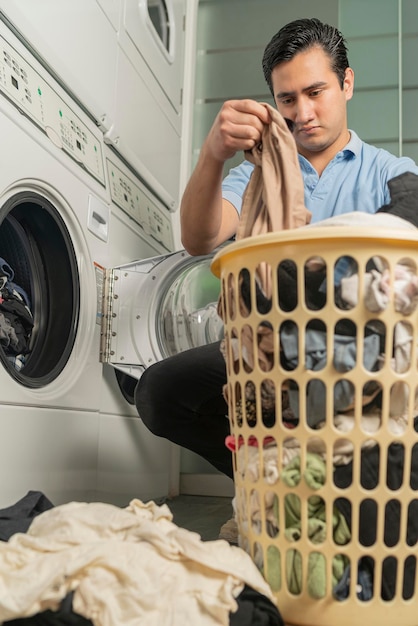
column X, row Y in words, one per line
column 39, row 91
column 60, row 112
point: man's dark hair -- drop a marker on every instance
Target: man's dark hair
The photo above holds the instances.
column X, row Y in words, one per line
column 302, row 35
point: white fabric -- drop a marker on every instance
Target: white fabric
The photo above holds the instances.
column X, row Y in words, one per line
column 360, row 218
column 129, row 567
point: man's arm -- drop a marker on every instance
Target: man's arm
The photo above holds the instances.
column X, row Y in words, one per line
column 207, row 219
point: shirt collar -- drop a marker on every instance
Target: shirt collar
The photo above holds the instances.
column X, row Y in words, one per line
column 354, row 145
column 353, row 148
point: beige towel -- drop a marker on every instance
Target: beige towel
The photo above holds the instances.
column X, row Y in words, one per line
column 274, row 198
column 273, row 201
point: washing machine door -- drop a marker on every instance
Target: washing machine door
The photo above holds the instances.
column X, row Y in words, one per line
column 39, row 290
column 158, row 307
column 156, row 30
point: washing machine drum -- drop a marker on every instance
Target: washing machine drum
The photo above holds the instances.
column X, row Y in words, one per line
column 39, row 290
column 159, row 307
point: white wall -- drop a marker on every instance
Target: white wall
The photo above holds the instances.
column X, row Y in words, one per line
column 231, row 37
column 382, row 37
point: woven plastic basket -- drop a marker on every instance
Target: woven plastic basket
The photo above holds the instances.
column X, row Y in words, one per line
column 322, row 394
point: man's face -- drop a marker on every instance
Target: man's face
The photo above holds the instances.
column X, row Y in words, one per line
column 307, row 93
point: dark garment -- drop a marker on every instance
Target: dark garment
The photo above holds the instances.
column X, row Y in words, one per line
column 20, row 319
column 403, row 197
column 396, row 474
column 180, row 398
column 63, row 616
column 287, row 288
column 18, row 517
column 364, row 584
column 254, row 609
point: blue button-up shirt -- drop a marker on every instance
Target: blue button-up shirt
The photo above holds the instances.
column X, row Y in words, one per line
column 355, row 180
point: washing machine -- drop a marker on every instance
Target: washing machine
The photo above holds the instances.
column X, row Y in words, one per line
column 69, row 210
column 87, row 243
column 54, row 231
column 156, row 302
column 123, row 60
column 152, row 40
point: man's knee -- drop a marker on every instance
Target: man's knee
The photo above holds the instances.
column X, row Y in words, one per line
column 148, row 400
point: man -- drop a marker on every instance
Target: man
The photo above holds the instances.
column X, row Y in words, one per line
column 306, row 67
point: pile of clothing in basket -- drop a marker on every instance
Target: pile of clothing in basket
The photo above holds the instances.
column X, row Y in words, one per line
column 280, row 461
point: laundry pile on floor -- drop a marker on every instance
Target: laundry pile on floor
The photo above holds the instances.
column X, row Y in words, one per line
column 95, row 563
column 16, row 321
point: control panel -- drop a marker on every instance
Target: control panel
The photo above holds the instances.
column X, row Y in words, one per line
column 133, row 198
column 39, row 101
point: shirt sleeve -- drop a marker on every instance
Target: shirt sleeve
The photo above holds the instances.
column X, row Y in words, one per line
column 399, row 166
column 235, row 183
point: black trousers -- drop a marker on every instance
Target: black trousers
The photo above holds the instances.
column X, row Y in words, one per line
column 180, row 398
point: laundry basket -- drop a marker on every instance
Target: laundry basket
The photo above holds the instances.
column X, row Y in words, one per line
column 322, row 392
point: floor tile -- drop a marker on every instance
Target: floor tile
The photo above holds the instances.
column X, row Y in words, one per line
column 202, row 514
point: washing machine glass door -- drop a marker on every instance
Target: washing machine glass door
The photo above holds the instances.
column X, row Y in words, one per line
column 160, row 18
column 159, row 307
column 39, row 290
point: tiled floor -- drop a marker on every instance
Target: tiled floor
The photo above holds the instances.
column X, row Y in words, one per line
column 202, row 514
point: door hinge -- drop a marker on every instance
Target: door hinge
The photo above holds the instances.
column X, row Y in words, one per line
column 108, row 315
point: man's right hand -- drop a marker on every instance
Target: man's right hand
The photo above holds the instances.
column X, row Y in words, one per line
column 237, row 127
